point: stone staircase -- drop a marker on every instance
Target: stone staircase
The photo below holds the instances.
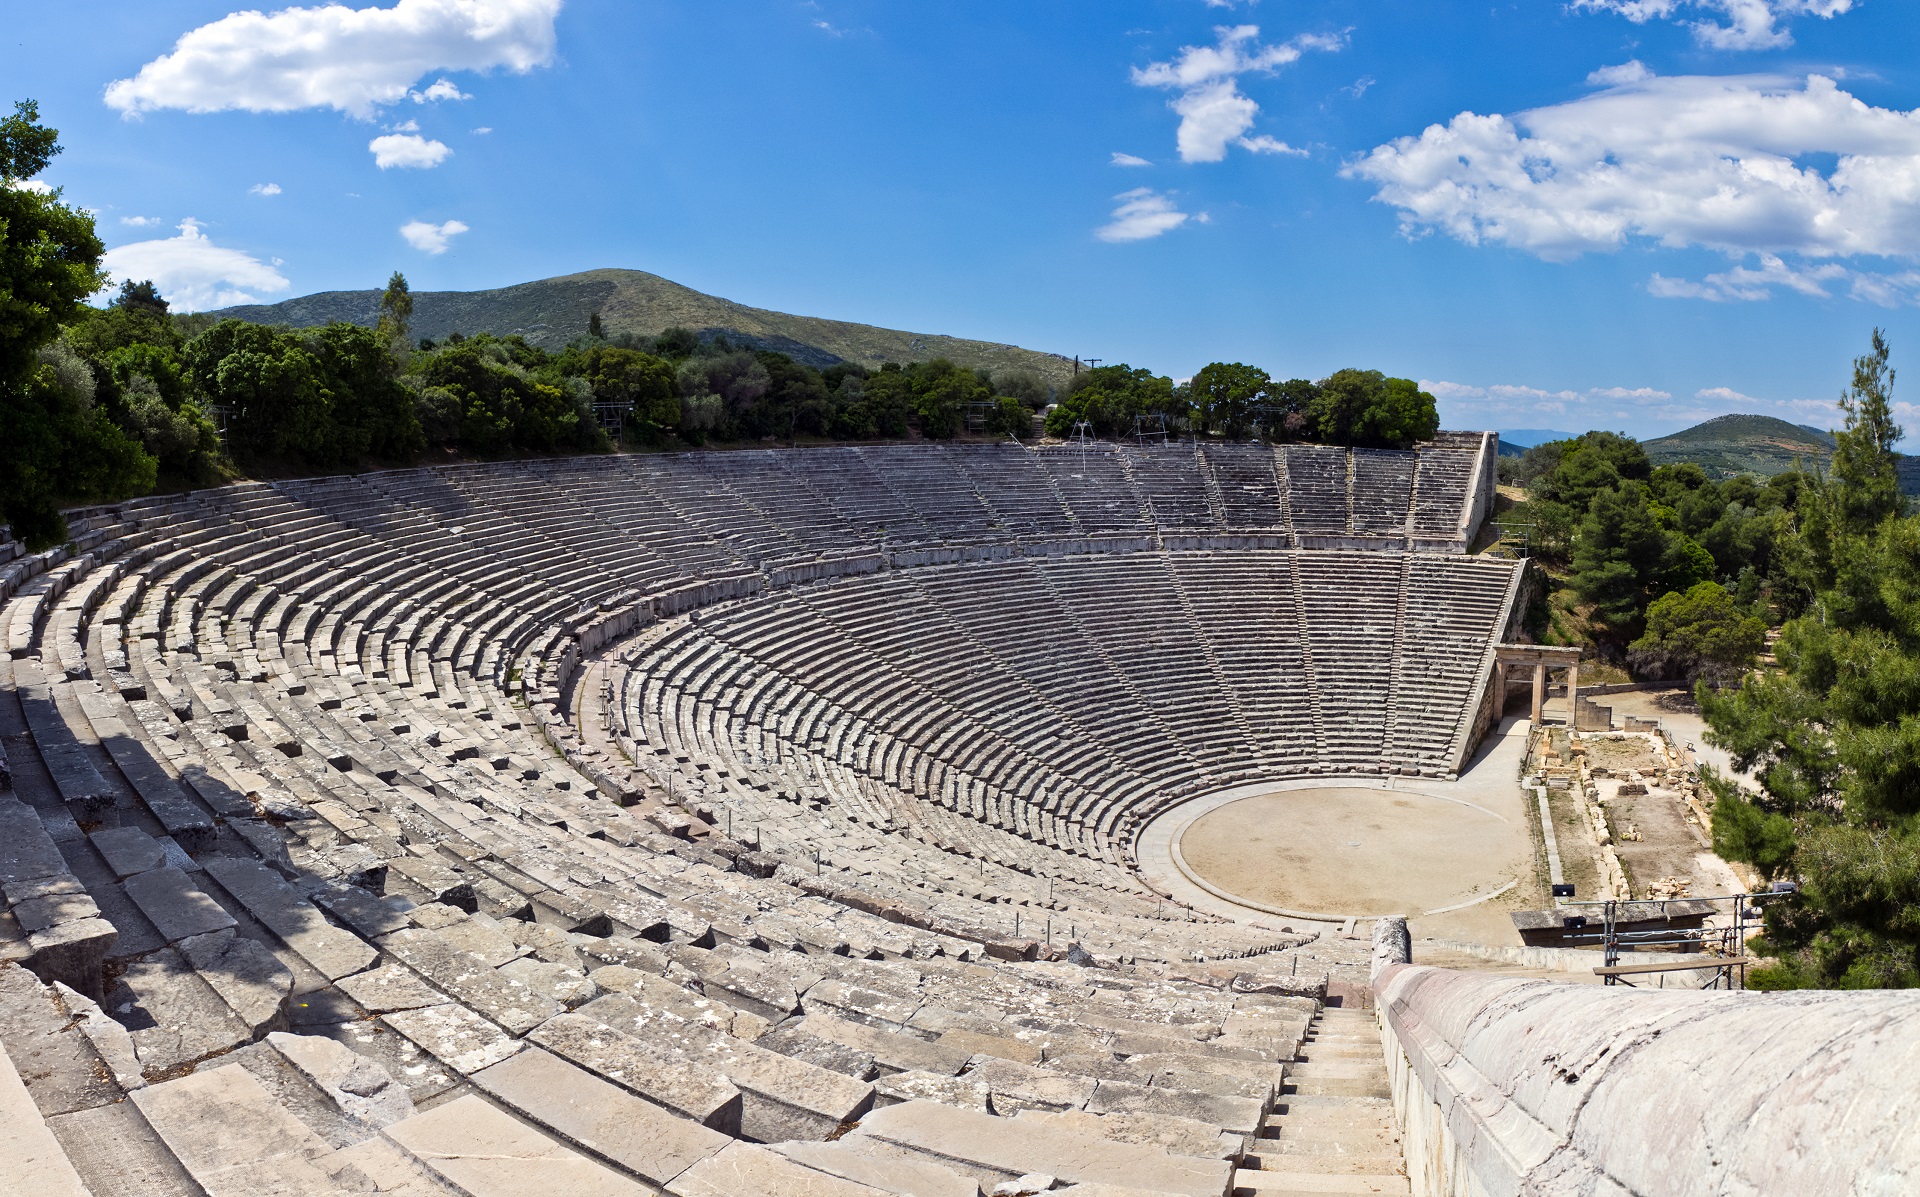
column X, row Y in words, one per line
column 1332, row 1129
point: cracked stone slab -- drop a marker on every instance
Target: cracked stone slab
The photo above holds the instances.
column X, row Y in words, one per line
column 35, row 1162
column 129, row 850
column 596, row 1114
column 362, row 1088
column 176, row 905
column 237, row 1141
column 390, row 987
column 485, row 1152
column 333, row 952
column 109, row 1038
column 246, row 975
column 175, row 1016
column 454, row 1035
column 748, row 1170
column 505, row 1000
column 661, row 1072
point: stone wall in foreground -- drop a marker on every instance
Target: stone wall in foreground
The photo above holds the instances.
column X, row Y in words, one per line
column 1509, row 1086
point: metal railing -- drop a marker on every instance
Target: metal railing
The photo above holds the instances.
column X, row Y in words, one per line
column 1614, row 934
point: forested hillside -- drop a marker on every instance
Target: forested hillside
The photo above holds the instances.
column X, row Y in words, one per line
column 552, row 312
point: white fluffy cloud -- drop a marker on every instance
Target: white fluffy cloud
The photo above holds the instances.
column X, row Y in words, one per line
column 442, row 89
column 192, row 272
column 1511, row 401
column 140, row 222
column 351, row 59
column 408, row 150
column 431, row 238
column 1731, row 163
column 264, row 189
column 1465, row 405
column 1214, row 114
column 1749, row 24
column 1142, row 213
column 1745, row 283
column 1120, row 159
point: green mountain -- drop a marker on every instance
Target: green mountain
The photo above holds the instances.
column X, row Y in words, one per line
column 553, row 311
column 1743, row 444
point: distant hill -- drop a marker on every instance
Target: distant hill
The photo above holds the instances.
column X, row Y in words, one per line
column 1744, row 444
column 553, row 311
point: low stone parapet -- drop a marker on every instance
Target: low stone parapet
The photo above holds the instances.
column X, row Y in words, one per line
column 1506, row 1086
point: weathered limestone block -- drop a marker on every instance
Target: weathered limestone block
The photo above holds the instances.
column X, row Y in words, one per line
column 660, row 1071
column 893, row 1051
column 32, row 1161
column 454, row 1035
column 389, row 988
column 1171, row 1134
column 55, row 1059
column 992, row 1150
column 1019, row 1087
column 175, row 1016
column 932, row 1086
column 484, row 1152
column 238, row 1141
column 246, row 975
column 110, row 1040
column 363, row 1089
column 510, row 1002
column 334, row 952
column 1534, row 1084
column 129, row 850
column 886, row 1173
column 597, row 1115
column 177, row 907
column 781, row 1097
column 848, row 1061
column 744, row 1170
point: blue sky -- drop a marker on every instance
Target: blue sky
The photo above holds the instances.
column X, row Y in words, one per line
column 1615, row 213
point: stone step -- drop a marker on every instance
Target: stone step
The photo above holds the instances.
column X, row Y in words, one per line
column 237, row 1140
column 1336, row 1087
column 34, row 1161
column 749, row 1170
column 994, row 1150
column 598, row 1116
column 1327, row 1070
column 1248, row 1183
column 847, row 1160
column 482, row 1151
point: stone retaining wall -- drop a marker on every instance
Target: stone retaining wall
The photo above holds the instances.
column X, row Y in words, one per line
column 1506, row 1086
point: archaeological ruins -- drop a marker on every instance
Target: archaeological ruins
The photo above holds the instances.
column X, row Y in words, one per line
column 838, row 822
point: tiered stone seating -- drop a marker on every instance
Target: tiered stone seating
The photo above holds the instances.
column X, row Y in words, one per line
column 327, row 839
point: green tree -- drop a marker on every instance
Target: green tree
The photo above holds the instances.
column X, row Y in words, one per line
column 1699, row 632
column 1366, row 408
column 1833, row 736
column 1110, row 397
column 278, row 406
column 1617, row 554
column 1226, row 396
column 59, row 448
column 640, row 380
column 1009, row 417
column 396, row 313
column 594, row 329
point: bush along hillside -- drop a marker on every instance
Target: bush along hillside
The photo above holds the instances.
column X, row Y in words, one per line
column 1659, row 570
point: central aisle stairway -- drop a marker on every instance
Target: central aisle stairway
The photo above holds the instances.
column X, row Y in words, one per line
column 1332, row 1129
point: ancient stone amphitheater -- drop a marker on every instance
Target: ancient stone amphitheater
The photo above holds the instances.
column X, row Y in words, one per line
column 763, row 823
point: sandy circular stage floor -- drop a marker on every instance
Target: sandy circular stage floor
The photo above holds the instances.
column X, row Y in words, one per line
column 1346, row 851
